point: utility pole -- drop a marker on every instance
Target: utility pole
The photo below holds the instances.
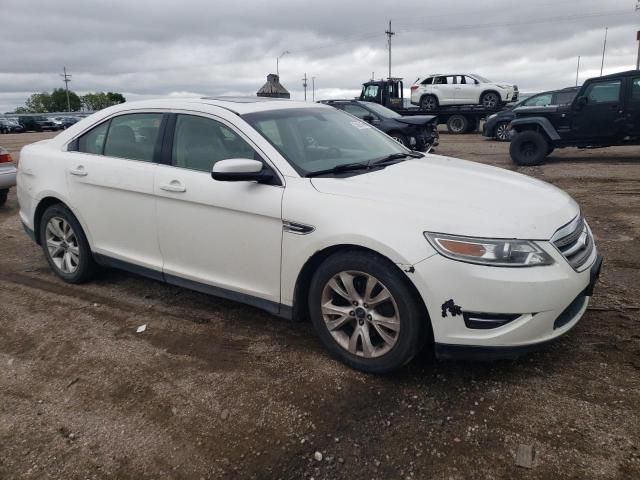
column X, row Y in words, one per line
column 389, row 33
column 604, row 49
column 66, row 79
column 638, row 38
column 313, row 89
column 304, row 85
column 578, row 70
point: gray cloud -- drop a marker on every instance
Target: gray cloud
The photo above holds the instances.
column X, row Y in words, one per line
column 152, row 48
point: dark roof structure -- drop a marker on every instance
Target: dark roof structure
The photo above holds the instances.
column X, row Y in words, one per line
column 273, row 88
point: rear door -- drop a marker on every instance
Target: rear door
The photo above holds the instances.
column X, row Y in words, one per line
column 219, row 237
column 445, row 88
column 467, row 92
column 110, row 180
column 633, row 109
column 601, row 118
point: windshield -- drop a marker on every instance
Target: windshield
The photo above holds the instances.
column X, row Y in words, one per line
column 382, row 111
column 482, row 79
column 315, row 139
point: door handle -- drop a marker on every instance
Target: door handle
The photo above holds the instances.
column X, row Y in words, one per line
column 173, row 186
column 79, row 171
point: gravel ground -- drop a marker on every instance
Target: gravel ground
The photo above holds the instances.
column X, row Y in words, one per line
column 214, row 389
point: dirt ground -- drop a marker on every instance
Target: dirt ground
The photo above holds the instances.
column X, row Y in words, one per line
column 213, row 389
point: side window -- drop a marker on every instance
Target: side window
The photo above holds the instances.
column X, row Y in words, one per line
column 539, row 100
column 199, row 142
column 371, row 91
column 565, row 98
column 93, row 140
column 133, row 136
column 441, row 80
column 635, row 89
column 469, row 80
column 428, row 81
column 357, row 111
column 604, row 92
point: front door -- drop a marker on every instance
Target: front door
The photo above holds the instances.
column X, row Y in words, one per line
column 110, row 180
column 219, row 237
column 633, row 109
column 445, row 89
column 599, row 113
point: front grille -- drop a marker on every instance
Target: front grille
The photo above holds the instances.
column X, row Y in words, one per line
column 575, row 242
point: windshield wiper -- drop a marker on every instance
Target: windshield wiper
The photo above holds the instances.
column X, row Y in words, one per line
column 339, row 168
column 394, row 157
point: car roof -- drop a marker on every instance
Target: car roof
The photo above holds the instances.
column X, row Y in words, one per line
column 238, row 105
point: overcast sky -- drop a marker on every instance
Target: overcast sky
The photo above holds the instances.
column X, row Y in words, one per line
column 151, row 48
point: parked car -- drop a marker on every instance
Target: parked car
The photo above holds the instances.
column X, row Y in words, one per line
column 461, row 89
column 56, row 121
column 604, row 113
column 417, row 132
column 7, row 174
column 498, row 125
column 8, row 126
column 68, row 121
column 304, row 211
column 37, row 123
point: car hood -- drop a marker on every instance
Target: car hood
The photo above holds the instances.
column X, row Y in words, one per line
column 454, row 196
column 416, row 120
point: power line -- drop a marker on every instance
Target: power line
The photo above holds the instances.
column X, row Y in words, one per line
column 66, row 79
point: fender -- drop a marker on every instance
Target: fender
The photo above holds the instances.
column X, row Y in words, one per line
column 542, row 122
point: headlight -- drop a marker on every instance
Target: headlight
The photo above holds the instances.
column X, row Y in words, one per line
column 487, row 251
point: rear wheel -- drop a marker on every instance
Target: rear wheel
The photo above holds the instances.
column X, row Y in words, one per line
column 400, row 138
column 503, row 132
column 457, row 124
column 365, row 313
column 490, row 100
column 429, row 102
column 65, row 245
column 529, row 148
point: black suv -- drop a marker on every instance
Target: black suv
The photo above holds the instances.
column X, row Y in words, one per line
column 418, row 132
column 37, row 123
column 498, row 125
column 605, row 112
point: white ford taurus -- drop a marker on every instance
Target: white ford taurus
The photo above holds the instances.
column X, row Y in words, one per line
column 304, row 210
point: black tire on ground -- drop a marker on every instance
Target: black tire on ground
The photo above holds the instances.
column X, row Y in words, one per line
column 529, row 148
column 490, row 100
column 429, row 102
column 457, row 124
column 503, row 133
column 400, row 138
column 86, row 266
column 3, row 197
column 413, row 328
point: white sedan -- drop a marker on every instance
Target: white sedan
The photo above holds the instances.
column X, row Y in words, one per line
column 432, row 91
column 305, row 211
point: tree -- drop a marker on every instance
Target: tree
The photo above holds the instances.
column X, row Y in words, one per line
column 100, row 100
column 20, row 110
column 116, row 98
column 59, row 101
column 38, row 102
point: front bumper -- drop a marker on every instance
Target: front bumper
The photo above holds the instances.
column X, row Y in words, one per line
column 7, row 177
column 538, row 299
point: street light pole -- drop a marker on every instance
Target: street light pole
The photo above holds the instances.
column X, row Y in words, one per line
column 578, row 70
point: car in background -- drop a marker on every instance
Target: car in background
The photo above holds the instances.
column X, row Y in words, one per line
column 56, row 121
column 10, row 126
column 497, row 126
column 7, row 174
column 66, row 122
column 37, row 123
column 307, row 212
column 417, row 132
column 461, row 89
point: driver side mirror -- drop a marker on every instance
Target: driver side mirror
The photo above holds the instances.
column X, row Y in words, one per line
column 368, row 118
column 582, row 101
column 241, row 170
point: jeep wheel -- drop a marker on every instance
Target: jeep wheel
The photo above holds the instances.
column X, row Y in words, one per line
column 457, row 124
column 490, row 100
column 503, row 133
column 429, row 102
column 529, row 148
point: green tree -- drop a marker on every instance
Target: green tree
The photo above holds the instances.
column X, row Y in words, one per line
column 116, row 98
column 20, row 110
column 38, row 102
column 100, row 100
column 59, row 101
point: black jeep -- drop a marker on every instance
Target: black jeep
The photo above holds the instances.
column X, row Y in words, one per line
column 605, row 112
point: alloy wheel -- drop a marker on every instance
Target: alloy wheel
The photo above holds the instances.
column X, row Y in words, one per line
column 502, row 132
column 429, row 103
column 360, row 313
column 490, row 100
column 62, row 245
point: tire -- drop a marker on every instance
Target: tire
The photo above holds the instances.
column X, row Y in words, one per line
column 356, row 340
column 60, row 244
column 400, row 138
column 503, row 132
column 457, row 124
column 529, row 148
column 490, row 100
column 429, row 102
column 3, row 197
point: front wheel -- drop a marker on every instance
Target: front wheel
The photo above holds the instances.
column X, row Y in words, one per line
column 529, row 148
column 65, row 245
column 400, row 138
column 490, row 100
column 365, row 313
column 503, row 132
